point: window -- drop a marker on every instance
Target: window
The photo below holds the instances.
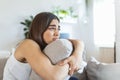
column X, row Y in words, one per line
column 104, row 23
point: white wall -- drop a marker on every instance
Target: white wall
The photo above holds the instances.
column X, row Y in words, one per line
column 12, row 12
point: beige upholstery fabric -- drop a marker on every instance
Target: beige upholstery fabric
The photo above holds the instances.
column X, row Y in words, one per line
column 2, row 64
column 102, row 71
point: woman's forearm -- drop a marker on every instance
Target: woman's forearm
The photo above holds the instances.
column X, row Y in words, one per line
column 78, row 46
column 48, row 71
column 60, row 72
column 75, row 59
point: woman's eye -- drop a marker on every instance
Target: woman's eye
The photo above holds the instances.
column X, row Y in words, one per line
column 52, row 28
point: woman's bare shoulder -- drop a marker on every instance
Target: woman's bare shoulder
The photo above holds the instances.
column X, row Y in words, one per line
column 29, row 43
column 27, row 46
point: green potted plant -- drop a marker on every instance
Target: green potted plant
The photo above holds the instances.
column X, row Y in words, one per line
column 27, row 23
column 64, row 13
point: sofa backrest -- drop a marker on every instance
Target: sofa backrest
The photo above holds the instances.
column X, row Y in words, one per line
column 2, row 64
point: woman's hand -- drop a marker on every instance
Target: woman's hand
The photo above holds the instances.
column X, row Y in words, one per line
column 74, row 63
column 75, row 59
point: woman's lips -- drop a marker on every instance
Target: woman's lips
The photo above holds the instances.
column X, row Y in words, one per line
column 55, row 39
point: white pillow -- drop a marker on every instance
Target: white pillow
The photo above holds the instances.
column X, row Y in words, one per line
column 102, row 71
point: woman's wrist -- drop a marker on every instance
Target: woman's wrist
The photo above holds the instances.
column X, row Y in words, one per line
column 63, row 70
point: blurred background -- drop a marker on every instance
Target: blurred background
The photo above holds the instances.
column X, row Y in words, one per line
column 96, row 22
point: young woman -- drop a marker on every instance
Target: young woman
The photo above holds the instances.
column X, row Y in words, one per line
column 28, row 55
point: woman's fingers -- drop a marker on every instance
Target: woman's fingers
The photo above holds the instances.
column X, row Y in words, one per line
column 65, row 61
column 73, row 67
column 71, row 71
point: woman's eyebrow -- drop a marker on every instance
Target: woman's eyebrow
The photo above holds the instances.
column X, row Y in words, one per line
column 52, row 25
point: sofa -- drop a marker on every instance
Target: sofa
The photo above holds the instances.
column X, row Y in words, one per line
column 3, row 60
column 94, row 70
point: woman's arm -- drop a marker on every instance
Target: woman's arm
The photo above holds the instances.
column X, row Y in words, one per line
column 75, row 59
column 40, row 63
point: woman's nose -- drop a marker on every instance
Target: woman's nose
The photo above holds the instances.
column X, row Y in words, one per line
column 56, row 33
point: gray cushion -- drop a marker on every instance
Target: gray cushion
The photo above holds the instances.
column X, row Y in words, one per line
column 102, row 71
column 58, row 50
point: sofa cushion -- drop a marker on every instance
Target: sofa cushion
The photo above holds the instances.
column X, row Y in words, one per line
column 102, row 71
column 2, row 64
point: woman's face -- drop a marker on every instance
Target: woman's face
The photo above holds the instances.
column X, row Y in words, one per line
column 52, row 33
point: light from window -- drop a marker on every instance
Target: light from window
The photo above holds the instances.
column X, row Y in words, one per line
column 104, row 23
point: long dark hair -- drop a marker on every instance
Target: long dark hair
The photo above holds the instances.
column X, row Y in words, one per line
column 39, row 25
